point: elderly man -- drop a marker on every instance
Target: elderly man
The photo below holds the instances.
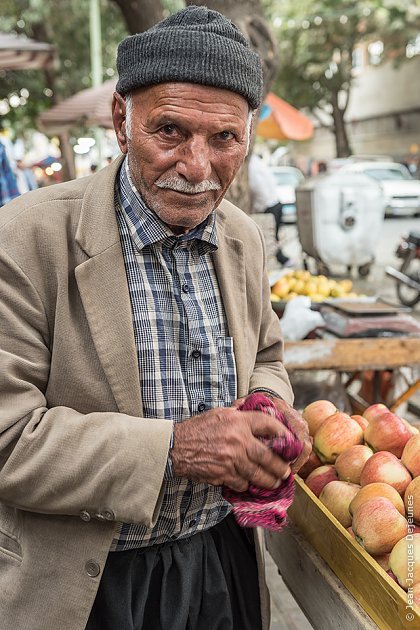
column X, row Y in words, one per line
column 135, row 313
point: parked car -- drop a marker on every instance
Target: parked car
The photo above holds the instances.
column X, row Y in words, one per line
column 288, row 178
column 401, row 190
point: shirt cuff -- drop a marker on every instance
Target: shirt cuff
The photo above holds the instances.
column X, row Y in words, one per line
column 265, row 390
column 169, row 470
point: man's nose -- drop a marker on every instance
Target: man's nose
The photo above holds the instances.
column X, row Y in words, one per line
column 194, row 160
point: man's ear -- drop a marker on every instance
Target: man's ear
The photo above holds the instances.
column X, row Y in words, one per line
column 118, row 119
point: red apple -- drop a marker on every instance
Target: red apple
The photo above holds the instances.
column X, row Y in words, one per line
column 414, row 430
column 373, row 490
column 316, row 412
column 412, row 500
column 319, row 478
column 392, row 575
column 387, row 432
column 383, row 560
column 416, row 594
column 336, row 496
column 384, row 466
column 310, row 465
column 411, row 455
column 378, row 526
column 335, row 435
column 405, row 560
column 350, row 462
column 374, row 410
column 360, row 420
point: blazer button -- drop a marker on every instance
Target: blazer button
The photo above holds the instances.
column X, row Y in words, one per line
column 108, row 514
column 100, row 516
column 84, row 515
column 92, row 568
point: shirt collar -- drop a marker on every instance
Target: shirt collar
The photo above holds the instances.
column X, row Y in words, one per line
column 147, row 228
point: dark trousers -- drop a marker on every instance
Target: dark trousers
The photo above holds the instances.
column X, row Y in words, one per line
column 277, row 211
column 206, row 582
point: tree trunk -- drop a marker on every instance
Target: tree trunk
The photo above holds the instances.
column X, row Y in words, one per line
column 140, row 15
column 342, row 144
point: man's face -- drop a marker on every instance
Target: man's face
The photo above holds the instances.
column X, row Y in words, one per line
column 185, row 146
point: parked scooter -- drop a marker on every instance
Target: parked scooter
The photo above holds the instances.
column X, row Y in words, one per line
column 408, row 276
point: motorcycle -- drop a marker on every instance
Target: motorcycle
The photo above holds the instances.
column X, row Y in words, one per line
column 408, row 275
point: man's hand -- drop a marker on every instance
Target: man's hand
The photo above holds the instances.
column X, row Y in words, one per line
column 221, row 447
column 297, row 424
column 299, row 427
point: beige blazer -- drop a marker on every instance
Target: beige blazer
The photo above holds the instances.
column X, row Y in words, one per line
column 76, row 456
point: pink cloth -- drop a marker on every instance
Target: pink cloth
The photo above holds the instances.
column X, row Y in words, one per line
column 257, row 507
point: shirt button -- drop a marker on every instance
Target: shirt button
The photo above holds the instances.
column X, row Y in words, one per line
column 196, row 354
column 185, row 288
column 92, row 568
column 201, row 406
column 85, row 516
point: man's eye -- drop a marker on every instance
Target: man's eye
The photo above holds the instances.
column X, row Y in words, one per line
column 168, row 130
column 225, row 135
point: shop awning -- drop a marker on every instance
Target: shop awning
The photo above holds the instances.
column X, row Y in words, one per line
column 91, row 107
column 18, row 52
column 281, row 121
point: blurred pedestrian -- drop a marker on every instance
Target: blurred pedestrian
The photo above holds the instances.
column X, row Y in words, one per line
column 25, row 177
column 8, row 184
column 264, row 197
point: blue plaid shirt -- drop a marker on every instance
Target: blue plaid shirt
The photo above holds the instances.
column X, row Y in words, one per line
column 185, row 356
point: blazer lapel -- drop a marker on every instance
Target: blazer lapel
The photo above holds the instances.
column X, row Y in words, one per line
column 230, row 270
column 102, row 284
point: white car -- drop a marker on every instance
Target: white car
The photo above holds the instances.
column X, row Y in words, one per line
column 288, row 178
column 401, row 190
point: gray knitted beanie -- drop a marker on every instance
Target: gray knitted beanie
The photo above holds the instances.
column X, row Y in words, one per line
column 195, row 45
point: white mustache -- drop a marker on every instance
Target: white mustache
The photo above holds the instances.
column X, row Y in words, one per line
column 181, row 185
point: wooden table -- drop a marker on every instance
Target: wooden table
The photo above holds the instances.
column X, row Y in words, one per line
column 354, row 356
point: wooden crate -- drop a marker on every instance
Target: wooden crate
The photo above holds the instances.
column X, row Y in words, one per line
column 383, row 600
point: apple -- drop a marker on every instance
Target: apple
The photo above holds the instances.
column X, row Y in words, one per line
column 351, row 532
column 405, row 560
column 336, row 496
column 416, row 594
column 378, row 489
column 378, row 526
column 316, row 412
column 319, row 478
column 383, row 560
column 412, row 500
column 392, row 575
column 387, row 432
column 411, row 455
column 384, row 466
column 350, row 462
column 374, row 410
column 312, row 462
column 414, row 430
column 335, row 435
column 360, row 420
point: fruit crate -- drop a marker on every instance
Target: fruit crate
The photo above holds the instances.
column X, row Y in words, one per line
column 382, row 599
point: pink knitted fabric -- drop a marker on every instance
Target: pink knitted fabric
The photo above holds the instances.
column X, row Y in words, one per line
column 257, row 507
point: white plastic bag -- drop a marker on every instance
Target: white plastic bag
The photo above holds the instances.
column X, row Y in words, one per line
column 298, row 319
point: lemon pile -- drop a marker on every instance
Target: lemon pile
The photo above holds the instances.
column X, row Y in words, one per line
column 318, row 288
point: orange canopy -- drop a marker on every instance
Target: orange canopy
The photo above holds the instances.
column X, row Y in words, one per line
column 281, row 121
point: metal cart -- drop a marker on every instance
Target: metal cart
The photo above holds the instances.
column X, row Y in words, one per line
column 338, row 219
